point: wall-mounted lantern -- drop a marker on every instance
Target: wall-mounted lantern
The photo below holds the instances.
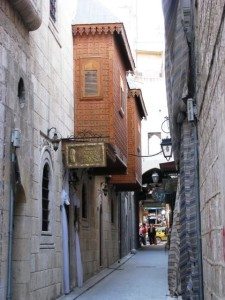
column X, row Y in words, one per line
column 55, row 139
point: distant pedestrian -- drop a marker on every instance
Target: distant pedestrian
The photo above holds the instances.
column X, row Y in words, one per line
column 152, row 234
column 142, row 234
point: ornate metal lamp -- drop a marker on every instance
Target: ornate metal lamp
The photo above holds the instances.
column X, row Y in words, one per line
column 155, row 177
column 54, row 139
column 166, row 146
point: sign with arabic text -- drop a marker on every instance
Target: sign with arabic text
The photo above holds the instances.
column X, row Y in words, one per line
column 85, row 155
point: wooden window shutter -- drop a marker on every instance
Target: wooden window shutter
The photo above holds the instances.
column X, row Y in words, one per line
column 91, row 82
column 122, row 96
column 91, row 74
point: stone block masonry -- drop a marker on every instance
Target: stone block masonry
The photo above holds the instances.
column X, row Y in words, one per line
column 43, row 59
column 210, row 58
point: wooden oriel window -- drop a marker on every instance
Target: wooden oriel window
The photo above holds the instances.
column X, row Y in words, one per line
column 91, row 73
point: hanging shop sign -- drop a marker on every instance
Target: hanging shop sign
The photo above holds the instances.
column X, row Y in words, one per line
column 158, row 195
column 85, row 155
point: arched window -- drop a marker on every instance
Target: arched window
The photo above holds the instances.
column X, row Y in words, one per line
column 112, row 210
column 84, row 202
column 45, row 198
column 21, row 92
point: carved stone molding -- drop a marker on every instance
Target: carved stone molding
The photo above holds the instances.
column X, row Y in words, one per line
column 29, row 13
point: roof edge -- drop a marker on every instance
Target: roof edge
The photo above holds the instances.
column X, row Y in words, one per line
column 106, row 28
column 136, row 93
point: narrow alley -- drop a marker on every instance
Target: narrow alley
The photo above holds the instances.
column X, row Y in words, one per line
column 137, row 276
column 112, row 142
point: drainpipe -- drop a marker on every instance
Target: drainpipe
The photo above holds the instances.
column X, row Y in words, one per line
column 15, row 143
column 198, row 217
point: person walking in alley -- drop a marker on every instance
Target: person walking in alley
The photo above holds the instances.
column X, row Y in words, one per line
column 152, row 234
column 142, row 234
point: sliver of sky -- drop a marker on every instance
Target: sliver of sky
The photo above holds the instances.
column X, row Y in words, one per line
column 143, row 21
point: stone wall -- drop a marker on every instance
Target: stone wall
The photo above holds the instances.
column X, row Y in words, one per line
column 98, row 254
column 43, row 59
column 210, row 57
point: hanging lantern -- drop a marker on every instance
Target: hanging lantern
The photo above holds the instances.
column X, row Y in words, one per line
column 166, row 146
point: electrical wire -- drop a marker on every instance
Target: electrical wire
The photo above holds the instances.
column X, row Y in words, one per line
column 145, row 155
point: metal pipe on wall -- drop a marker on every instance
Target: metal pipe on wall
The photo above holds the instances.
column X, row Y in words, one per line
column 10, row 232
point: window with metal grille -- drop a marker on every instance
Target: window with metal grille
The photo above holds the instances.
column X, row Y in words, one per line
column 45, row 198
column 21, row 93
column 122, row 97
column 53, row 10
column 91, row 82
column 84, row 202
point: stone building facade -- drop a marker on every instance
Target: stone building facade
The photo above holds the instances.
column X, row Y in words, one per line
column 204, row 24
column 210, row 55
column 36, row 89
column 185, row 261
column 107, row 222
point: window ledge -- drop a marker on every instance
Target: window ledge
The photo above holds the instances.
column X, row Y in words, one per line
column 47, row 240
column 47, row 246
column 46, row 233
column 92, row 98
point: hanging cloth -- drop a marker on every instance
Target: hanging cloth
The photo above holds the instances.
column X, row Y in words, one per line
column 65, row 235
column 76, row 202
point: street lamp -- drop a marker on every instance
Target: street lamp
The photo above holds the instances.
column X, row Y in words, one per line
column 155, row 177
column 55, row 139
column 166, row 146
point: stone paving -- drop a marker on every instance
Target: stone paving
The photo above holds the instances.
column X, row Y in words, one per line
column 137, row 276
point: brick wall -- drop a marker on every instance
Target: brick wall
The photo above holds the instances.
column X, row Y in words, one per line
column 133, row 173
column 120, row 122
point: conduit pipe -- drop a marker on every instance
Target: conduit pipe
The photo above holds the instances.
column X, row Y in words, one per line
column 14, row 143
column 10, row 232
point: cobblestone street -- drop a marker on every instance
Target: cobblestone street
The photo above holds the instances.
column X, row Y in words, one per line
column 139, row 276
